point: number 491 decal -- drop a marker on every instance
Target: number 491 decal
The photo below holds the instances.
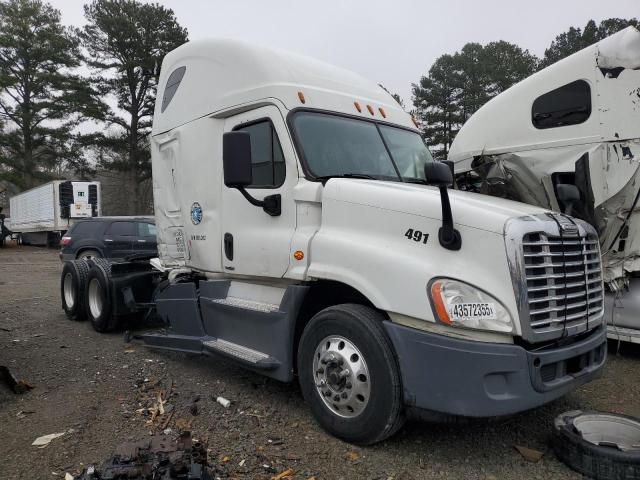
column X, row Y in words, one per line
column 417, row 236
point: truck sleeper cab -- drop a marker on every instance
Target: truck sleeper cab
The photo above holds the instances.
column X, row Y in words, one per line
column 303, row 228
column 568, row 138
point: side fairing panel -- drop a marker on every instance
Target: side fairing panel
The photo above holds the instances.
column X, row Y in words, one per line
column 187, row 168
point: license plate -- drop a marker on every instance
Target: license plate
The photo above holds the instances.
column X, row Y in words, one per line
column 473, row 311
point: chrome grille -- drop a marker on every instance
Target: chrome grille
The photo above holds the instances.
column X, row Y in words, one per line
column 563, row 281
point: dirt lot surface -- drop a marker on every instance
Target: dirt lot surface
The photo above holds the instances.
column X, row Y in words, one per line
column 90, row 385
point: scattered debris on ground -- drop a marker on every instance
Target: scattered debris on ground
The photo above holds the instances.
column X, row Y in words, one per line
column 159, row 458
column 45, row 440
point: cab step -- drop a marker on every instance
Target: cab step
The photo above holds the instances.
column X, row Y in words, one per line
column 241, row 353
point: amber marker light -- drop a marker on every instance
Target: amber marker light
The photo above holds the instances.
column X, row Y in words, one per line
column 384, row 115
column 301, row 97
column 413, row 119
column 298, row 255
column 358, row 107
column 370, row 108
column 441, row 311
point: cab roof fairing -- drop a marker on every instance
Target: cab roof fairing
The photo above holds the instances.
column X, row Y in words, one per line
column 222, row 74
column 503, row 124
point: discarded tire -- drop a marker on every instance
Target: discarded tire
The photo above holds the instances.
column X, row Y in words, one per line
column 601, row 446
column 72, row 289
column 98, row 296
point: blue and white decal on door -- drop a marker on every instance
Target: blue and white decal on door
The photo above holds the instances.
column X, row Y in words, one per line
column 196, row 213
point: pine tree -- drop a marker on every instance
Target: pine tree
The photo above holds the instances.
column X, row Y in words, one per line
column 42, row 99
column 126, row 41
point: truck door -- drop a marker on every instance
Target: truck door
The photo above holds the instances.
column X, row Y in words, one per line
column 118, row 239
column 255, row 243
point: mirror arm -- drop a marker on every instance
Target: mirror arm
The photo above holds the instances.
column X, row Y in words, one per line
column 449, row 237
column 272, row 204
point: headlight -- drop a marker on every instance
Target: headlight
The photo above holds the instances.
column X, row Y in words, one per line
column 461, row 305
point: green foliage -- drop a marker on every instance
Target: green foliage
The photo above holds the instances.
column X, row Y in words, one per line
column 575, row 39
column 42, row 100
column 458, row 85
column 126, row 41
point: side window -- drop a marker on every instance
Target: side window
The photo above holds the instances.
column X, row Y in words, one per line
column 146, row 230
column 173, row 82
column 267, row 159
column 567, row 105
column 126, row 229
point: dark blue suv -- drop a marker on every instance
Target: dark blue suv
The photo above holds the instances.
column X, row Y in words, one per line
column 110, row 237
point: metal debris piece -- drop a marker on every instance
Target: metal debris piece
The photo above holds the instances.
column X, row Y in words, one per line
column 157, row 458
column 18, row 386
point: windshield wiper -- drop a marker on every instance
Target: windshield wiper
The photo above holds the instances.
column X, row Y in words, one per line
column 419, row 181
column 325, row 178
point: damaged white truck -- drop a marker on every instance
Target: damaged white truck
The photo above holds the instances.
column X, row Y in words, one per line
column 568, row 139
column 304, row 229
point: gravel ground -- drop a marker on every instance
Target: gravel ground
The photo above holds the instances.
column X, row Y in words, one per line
column 91, row 385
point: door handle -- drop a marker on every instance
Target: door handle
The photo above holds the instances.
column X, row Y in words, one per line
column 141, row 241
column 108, row 240
column 228, row 246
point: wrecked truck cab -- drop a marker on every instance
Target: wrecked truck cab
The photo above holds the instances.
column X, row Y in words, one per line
column 573, row 126
column 304, row 228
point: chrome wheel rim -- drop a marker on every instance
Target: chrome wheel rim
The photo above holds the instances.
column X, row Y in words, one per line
column 69, row 291
column 341, row 376
column 86, row 256
column 95, row 298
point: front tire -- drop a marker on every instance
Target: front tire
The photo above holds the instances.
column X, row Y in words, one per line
column 98, row 297
column 349, row 374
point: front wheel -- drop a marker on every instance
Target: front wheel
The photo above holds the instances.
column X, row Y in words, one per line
column 349, row 374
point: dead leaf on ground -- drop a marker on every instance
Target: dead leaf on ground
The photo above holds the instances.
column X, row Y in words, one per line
column 287, row 474
column 529, row 454
column 352, row 456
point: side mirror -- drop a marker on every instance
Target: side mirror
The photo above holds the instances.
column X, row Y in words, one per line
column 236, row 159
column 236, row 163
column 439, row 174
column 568, row 196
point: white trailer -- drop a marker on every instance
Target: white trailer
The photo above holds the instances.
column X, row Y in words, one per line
column 304, row 228
column 40, row 215
column 568, row 139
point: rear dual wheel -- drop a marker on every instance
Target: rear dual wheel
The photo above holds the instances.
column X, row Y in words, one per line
column 73, row 283
column 98, row 296
column 349, row 374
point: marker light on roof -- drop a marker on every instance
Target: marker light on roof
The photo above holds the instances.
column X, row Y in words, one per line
column 301, row 97
column 384, row 115
column 413, row 119
column 370, row 108
column 358, row 107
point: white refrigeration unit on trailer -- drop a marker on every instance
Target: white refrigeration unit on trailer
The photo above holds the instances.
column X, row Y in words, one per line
column 42, row 214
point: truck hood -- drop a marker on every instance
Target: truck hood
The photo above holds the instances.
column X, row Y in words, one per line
column 469, row 209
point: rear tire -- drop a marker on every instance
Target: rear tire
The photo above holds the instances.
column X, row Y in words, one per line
column 73, row 283
column 89, row 255
column 98, row 297
column 349, row 374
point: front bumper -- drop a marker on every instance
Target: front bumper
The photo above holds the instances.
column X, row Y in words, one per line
column 476, row 379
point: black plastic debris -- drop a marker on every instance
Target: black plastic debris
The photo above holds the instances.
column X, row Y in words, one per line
column 158, row 458
column 17, row 386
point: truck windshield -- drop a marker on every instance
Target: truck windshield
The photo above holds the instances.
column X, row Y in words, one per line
column 340, row 146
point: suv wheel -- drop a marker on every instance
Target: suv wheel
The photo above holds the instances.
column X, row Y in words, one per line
column 89, row 254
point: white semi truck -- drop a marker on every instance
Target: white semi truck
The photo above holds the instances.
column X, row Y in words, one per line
column 304, row 229
column 42, row 214
column 568, row 139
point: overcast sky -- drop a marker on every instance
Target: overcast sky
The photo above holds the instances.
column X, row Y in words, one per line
column 392, row 42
